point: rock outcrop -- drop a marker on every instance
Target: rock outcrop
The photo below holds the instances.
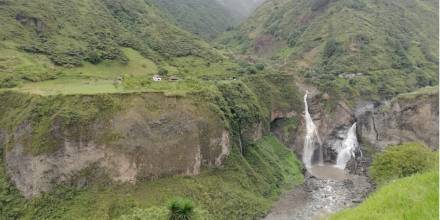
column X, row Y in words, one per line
column 406, row 118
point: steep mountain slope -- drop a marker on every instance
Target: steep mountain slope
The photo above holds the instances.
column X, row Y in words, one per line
column 357, row 47
column 207, row 18
column 44, row 39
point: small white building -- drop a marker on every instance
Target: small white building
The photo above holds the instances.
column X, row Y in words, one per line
column 157, row 78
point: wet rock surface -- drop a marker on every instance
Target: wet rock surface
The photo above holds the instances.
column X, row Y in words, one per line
column 318, row 197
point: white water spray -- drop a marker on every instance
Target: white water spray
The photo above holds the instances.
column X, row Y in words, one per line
column 310, row 138
column 349, row 146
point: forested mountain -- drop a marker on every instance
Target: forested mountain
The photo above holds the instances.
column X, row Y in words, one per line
column 357, row 47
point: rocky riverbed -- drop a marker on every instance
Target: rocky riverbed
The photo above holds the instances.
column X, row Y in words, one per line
column 325, row 191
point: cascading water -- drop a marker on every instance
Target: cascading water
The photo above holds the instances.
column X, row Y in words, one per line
column 310, row 138
column 349, row 146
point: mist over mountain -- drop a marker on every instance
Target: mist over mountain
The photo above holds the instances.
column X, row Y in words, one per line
column 207, row 18
column 241, row 8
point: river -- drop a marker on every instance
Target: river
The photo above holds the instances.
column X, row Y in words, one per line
column 326, row 190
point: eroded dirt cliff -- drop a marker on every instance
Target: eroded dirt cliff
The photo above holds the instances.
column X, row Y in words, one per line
column 137, row 140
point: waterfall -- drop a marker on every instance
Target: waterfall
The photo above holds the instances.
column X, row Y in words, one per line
column 349, row 146
column 310, row 138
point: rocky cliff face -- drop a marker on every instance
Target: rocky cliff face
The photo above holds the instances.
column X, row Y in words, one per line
column 332, row 124
column 138, row 141
column 408, row 117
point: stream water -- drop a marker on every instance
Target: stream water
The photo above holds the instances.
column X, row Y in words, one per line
column 327, row 190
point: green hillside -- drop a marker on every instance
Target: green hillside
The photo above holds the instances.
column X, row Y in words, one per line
column 407, row 179
column 414, row 197
column 356, row 47
column 96, row 41
column 205, row 18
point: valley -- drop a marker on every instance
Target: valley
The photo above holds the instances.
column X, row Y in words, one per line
column 218, row 109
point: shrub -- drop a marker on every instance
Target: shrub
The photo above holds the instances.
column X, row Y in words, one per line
column 162, row 72
column 181, row 209
column 332, row 47
column 401, row 161
column 94, row 57
column 251, row 70
column 259, row 66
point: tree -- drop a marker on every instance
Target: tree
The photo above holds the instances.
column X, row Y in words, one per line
column 332, row 47
column 259, row 66
column 162, row 72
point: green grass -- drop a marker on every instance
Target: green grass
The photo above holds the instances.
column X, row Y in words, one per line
column 136, row 74
column 410, row 198
column 243, row 189
column 137, row 66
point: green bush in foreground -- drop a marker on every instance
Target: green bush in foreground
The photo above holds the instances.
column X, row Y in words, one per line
column 410, row 198
column 402, row 161
column 181, row 209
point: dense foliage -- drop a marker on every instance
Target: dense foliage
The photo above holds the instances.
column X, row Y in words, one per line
column 402, row 161
column 205, row 18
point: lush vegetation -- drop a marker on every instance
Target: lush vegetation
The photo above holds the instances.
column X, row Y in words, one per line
column 414, row 197
column 243, row 189
column 205, row 18
column 45, row 40
column 402, row 161
column 61, row 62
column 181, row 209
column 74, row 114
column 408, row 179
column 350, row 48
